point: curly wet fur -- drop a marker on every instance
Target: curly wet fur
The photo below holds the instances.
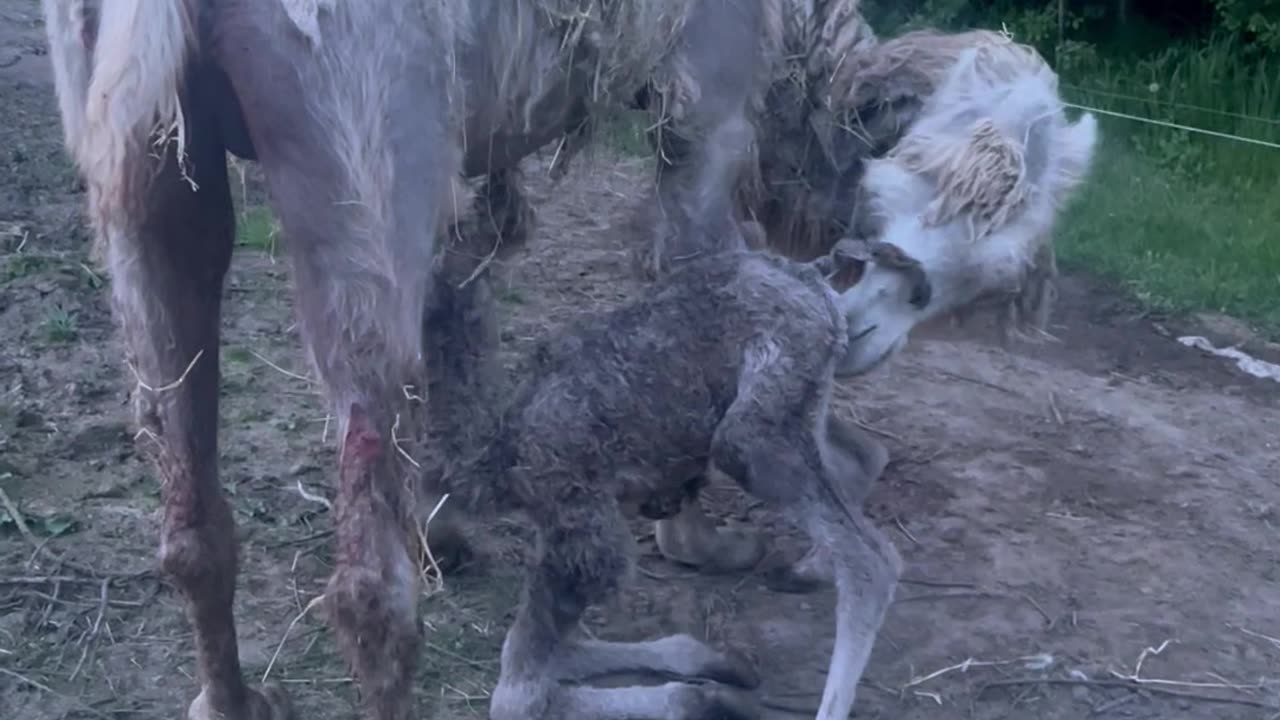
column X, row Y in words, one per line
column 730, row 361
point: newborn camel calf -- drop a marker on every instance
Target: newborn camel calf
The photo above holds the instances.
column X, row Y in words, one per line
column 729, row 360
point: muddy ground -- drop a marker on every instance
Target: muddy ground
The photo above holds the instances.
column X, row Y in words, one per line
column 1061, row 507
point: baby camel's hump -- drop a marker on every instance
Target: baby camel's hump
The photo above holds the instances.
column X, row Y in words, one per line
column 640, row 390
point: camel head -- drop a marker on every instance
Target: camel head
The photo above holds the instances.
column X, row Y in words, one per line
column 970, row 194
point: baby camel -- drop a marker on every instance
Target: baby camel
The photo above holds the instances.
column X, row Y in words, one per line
column 731, row 361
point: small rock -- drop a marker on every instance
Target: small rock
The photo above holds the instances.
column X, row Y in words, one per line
column 1081, row 693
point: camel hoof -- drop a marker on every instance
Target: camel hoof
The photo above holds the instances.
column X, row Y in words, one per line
column 737, row 551
column 269, row 703
column 731, row 551
column 715, row 702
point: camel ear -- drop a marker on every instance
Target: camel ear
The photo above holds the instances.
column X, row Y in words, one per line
column 845, row 264
column 891, row 256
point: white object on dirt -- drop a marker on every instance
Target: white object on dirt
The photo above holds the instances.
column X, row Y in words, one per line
column 1246, row 362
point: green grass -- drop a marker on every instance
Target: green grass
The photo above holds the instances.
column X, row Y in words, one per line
column 1211, row 87
column 257, row 229
column 16, row 265
column 1178, row 242
column 61, row 325
column 1185, row 220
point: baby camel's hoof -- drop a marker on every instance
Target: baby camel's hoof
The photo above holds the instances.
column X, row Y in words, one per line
column 728, row 551
column 269, row 703
column 714, row 702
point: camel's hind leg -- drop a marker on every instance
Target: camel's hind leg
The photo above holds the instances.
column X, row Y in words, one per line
column 787, row 465
column 862, row 459
column 354, row 135
column 168, row 255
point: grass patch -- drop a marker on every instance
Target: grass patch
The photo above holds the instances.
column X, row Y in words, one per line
column 237, row 356
column 1209, row 87
column 19, row 265
column 61, row 326
column 258, row 229
column 1179, row 243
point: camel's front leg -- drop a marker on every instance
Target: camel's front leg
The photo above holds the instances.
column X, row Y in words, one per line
column 585, row 554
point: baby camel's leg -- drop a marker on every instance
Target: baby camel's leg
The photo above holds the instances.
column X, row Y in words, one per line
column 585, row 554
column 786, row 464
column 858, row 458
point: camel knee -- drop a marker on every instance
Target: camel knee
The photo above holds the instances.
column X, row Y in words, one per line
column 198, row 548
column 764, row 465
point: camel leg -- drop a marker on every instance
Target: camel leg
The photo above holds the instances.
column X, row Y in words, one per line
column 860, row 459
column 706, row 140
column 460, row 333
column 585, row 554
column 704, row 153
column 168, row 251
column 818, row 490
column 674, row 655
column 364, row 343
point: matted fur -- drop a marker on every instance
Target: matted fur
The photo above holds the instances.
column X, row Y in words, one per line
column 984, row 179
column 807, row 131
column 619, row 45
column 912, row 65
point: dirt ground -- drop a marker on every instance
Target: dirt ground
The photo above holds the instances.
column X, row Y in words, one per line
column 1064, row 509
